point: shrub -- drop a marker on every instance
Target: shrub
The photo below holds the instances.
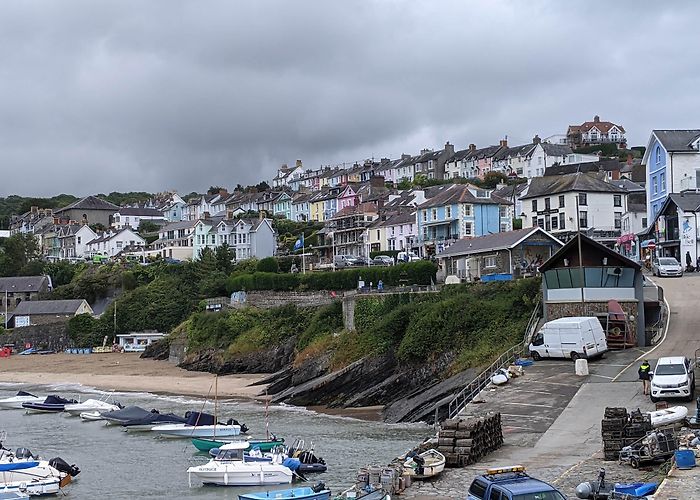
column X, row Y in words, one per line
column 268, row 265
column 86, row 331
column 327, row 319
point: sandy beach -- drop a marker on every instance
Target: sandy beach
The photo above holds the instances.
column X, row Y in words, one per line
column 124, row 372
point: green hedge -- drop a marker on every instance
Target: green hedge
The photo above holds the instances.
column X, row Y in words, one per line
column 414, row 273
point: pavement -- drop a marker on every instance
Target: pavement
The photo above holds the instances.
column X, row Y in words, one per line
column 551, row 418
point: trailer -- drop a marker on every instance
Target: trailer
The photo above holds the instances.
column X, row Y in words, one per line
column 657, row 445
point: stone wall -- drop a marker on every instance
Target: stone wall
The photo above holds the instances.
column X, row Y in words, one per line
column 556, row 310
column 268, row 299
column 51, row 336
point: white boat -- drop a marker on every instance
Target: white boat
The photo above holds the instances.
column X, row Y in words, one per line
column 23, row 467
column 230, row 468
column 668, row 416
column 35, row 487
column 428, row 464
column 15, row 402
column 198, row 425
column 500, row 377
column 91, row 416
column 90, row 405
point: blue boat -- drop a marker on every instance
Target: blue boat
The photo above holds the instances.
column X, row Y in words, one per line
column 10, row 466
column 318, row 492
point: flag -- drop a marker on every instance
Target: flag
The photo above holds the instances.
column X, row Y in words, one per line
column 300, row 243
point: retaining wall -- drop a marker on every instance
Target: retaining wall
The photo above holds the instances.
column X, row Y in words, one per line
column 48, row 336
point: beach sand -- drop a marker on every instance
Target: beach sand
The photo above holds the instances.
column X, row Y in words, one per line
column 125, row 372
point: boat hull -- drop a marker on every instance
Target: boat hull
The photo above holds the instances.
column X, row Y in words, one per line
column 200, row 431
column 38, row 487
column 41, row 408
column 293, row 493
column 16, row 402
column 205, row 444
column 96, row 406
column 242, row 474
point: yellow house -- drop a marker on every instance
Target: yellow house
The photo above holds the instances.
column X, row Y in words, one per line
column 376, row 236
column 316, row 210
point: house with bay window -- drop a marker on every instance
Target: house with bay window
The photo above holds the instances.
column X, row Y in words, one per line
column 565, row 204
column 247, row 238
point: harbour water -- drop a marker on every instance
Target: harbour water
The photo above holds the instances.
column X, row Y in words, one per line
column 120, row 465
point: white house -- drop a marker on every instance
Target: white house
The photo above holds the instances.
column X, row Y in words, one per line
column 565, row 204
column 73, row 240
column 175, row 241
column 133, row 216
column 112, row 243
column 248, row 238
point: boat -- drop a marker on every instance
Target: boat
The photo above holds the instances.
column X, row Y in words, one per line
column 52, row 404
column 249, row 457
column 91, row 416
column 230, row 468
column 668, row 416
column 264, row 445
column 500, row 377
column 35, row 487
column 90, row 405
column 22, row 465
column 306, row 460
column 135, row 418
column 200, row 425
column 15, row 402
column 425, row 465
column 318, row 492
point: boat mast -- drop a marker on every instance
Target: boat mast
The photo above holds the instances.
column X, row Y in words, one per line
column 216, row 402
column 267, row 421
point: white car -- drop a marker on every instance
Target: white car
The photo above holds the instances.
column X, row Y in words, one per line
column 666, row 266
column 673, row 377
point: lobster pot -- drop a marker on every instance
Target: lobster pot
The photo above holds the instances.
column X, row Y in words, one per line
column 362, row 479
column 375, row 474
column 387, row 481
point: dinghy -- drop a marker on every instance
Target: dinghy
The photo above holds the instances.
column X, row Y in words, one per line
column 426, row 465
column 668, row 416
column 15, row 402
column 318, row 492
column 52, row 404
column 22, row 465
column 500, row 377
column 201, row 425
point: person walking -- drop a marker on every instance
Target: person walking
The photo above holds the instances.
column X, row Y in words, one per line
column 645, row 376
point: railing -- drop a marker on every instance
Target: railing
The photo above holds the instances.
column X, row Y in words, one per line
column 532, row 324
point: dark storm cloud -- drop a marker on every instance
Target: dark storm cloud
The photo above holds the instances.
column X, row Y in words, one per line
column 101, row 96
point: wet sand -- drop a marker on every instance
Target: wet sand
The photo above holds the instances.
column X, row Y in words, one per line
column 125, row 372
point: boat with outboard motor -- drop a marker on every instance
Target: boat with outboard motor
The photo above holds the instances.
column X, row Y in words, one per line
column 230, row 468
column 200, row 425
column 15, row 402
column 52, row 404
column 426, row 465
column 264, row 445
column 25, row 489
column 135, row 418
column 318, row 492
column 90, row 405
column 23, row 466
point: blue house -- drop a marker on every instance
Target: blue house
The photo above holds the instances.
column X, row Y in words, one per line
column 458, row 211
column 672, row 158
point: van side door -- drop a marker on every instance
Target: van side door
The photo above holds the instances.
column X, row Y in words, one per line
column 552, row 342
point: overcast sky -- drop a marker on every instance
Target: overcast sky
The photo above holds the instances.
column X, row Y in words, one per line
column 99, row 96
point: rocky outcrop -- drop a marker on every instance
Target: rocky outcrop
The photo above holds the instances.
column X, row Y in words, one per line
column 159, row 350
column 268, row 360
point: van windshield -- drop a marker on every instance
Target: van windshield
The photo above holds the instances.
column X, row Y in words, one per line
column 670, row 370
column 545, row 495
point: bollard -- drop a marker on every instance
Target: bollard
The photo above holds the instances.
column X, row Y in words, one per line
column 581, row 367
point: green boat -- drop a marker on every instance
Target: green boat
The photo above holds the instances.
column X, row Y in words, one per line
column 265, row 445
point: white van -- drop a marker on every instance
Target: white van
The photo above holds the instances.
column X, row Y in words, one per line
column 406, row 257
column 574, row 338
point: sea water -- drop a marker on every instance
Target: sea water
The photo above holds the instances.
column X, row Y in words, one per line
column 122, row 465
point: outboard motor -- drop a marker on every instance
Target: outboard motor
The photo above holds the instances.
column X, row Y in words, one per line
column 319, row 487
column 232, row 421
column 23, row 453
column 62, row 466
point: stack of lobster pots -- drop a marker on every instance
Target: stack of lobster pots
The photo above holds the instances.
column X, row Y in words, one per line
column 464, row 440
column 620, row 429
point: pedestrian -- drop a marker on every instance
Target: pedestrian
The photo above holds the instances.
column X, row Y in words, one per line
column 688, row 260
column 645, row 376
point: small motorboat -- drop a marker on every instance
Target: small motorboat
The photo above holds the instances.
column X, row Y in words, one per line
column 206, row 444
column 318, row 492
column 668, row 416
column 230, row 468
column 52, row 404
column 306, row 460
column 91, row 416
column 22, row 465
column 201, row 425
column 500, row 377
column 90, row 405
column 249, row 457
column 425, row 465
column 135, row 418
column 16, row 401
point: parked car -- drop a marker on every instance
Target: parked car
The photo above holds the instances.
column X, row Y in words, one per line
column 406, row 257
column 673, row 377
column 362, row 261
column 511, row 483
column 342, row 261
column 666, row 266
column 383, row 260
column 578, row 337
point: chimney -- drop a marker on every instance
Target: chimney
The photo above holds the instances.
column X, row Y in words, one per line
column 376, row 181
column 223, row 193
column 536, row 139
column 206, row 215
column 405, row 156
column 299, row 164
column 449, row 149
column 596, row 119
column 472, row 147
column 504, row 143
column 629, row 159
column 424, row 151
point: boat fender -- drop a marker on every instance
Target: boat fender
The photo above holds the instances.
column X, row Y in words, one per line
column 584, row 490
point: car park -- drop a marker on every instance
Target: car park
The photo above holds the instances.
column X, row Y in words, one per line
column 666, row 266
column 511, row 483
column 673, row 377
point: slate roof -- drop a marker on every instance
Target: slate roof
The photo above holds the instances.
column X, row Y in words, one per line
column 492, row 242
column 555, row 149
column 688, row 201
column 586, row 182
column 362, row 208
column 174, row 226
column 586, row 242
column 90, row 203
column 677, row 141
column 457, row 193
column 141, row 212
column 506, row 192
column 63, row 307
column 629, row 186
column 593, row 166
column 23, row 284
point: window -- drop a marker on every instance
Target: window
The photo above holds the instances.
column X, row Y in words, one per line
column 468, row 231
column 448, row 212
column 618, row 220
column 555, row 221
column 644, row 222
column 617, row 200
column 534, row 205
column 655, row 184
column 662, row 181
column 433, row 214
column 658, row 154
column 582, row 199
column 378, row 237
column 561, row 201
column 547, row 205
column 119, row 244
column 490, row 261
column 78, row 240
column 478, row 488
column 425, row 216
column 540, row 222
column 583, row 220
column 502, row 211
column 504, row 227
column 547, row 224
column 467, row 210
column 562, row 221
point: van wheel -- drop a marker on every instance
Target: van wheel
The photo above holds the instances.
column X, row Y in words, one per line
column 535, row 355
column 575, row 356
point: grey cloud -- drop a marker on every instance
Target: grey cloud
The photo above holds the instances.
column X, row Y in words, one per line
column 131, row 95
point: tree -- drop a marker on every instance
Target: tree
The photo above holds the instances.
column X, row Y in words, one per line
column 224, row 258
column 263, row 186
column 215, row 189
column 17, row 251
column 97, row 227
column 268, row 265
column 492, row 179
column 147, row 226
column 207, row 262
column 404, row 184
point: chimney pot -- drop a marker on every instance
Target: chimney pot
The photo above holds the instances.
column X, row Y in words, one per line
column 596, row 118
column 299, row 163
column 504, row 143
column 472, row 147
column 536, row 139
